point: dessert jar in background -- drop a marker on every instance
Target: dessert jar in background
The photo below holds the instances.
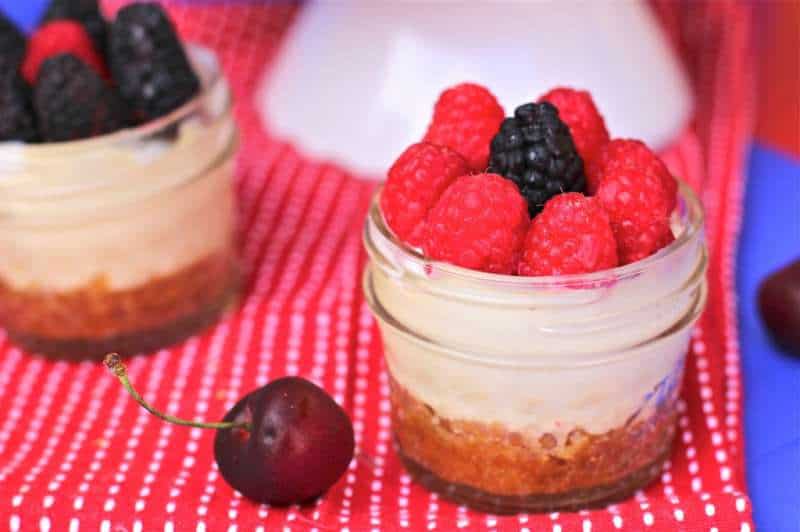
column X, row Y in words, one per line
column 123, row 242
column 517, row 394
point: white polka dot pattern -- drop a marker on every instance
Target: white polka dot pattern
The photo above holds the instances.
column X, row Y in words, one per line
column 77, row 454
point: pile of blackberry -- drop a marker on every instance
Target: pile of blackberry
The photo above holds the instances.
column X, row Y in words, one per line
column 148, row 62
column 535, row 150
column 70, row 99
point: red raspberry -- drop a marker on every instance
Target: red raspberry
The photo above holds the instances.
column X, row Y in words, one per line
column 636, row 203
column 571, row 235
column 465, row 119
column 577, row 109
column 60, row 37
column 480, row 223
column 415, row 181
column 631, row 154
column 666, row 240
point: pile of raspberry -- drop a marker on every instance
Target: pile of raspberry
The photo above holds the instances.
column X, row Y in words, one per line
column 78, row 75
column 543, row 192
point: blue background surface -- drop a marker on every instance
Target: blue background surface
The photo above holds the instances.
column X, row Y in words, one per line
column 770, row 238
column 24, row 12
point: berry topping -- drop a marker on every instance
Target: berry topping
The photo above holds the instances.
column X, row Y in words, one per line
column 415, row 182
column 637, row 205
column 571, row 235
column 60, row 37
column 479, row 222
column 12, row 44
column 465, row 119
column 72, row 102
column 632, row 154
column 149, row 63
column 299, row 444
column 17, row 120
column 667, row 239
column 534, row 149
column 85, row 12
column 577, row 109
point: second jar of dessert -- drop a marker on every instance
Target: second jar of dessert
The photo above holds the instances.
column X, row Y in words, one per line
column 123, row 242
column 536, row 393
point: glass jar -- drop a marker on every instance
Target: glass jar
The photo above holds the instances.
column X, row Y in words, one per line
column 536, row 393
column 123, row 242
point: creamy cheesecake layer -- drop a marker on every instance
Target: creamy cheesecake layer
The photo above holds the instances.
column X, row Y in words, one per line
column 578, row 322
column 541, row 396
column 168, row 203
column 536, row 402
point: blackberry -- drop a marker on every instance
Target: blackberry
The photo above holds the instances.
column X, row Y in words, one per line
column 85, row 12
column 535, row 150
column 17, row 120
column 12, row 44
column 73, row 102
column 148, row 62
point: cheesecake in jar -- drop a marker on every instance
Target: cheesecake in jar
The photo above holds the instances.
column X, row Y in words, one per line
column 535, row 283
column 517, row 394
column 125, row 241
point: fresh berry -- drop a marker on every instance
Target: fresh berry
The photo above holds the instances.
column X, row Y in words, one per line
column 415, row 182
column 636, row 203
column 779, row 305
column 571, row 235
column 480, row 223
column 632, row 154
column 86, row 12
column 299, row 443
column 12, row 45
column 666, row 240
column 465, row 119
column 17, row 121
column 149, row 63
column 534, row 149
column 577, row 109
column 72, row 102
column 60, row 37
column 284, row 443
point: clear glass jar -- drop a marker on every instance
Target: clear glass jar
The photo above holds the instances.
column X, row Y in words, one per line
column 123, row 242
column 536, row 393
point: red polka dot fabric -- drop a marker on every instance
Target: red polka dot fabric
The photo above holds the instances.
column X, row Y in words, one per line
column 77, row 454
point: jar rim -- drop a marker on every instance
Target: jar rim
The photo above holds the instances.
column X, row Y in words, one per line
column 587, row 359
column 208, row 69
column 377, row 233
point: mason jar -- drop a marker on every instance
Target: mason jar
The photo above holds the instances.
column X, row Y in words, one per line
column 529, row 394
column 123, row 242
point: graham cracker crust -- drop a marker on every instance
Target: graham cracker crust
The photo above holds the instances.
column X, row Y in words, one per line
column 571, row 501
column 88, row 322
column 491, row 468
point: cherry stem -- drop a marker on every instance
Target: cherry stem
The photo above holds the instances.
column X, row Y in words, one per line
column 114, row 363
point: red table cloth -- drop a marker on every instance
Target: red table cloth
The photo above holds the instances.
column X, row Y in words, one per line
column 76, row 453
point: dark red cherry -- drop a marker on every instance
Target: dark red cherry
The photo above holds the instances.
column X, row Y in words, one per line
column 779, row 303
column 301, row 441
